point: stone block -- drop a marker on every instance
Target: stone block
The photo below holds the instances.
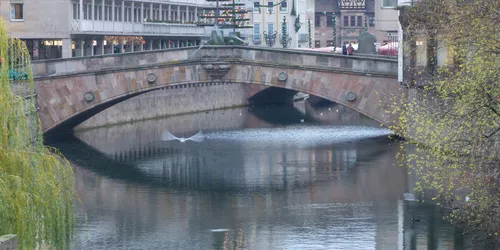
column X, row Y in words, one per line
column 8, row 242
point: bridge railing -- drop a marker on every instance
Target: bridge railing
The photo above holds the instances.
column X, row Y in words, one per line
column 232, row 54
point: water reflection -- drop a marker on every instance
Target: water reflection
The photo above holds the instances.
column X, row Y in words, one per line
column 250, row 185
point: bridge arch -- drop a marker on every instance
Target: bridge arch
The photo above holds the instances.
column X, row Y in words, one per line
column 69, row 99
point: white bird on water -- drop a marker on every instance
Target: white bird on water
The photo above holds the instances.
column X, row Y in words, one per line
column 167, row 136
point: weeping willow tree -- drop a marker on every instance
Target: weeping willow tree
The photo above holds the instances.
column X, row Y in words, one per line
column 36, row 185
column 453, row 113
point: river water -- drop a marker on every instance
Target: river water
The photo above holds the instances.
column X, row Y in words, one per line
column 262, row 178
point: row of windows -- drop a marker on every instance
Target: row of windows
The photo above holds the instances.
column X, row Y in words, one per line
column 87, row 13
column 257, row 32
column 270, row 7
column 355, row 21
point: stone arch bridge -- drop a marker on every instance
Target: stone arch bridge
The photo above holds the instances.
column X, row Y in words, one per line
column 69, row 91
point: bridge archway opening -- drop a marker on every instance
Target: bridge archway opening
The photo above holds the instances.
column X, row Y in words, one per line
column 273, row 95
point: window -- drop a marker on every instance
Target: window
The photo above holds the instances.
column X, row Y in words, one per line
column 284, row 7
column 303, row 38
column 256, row 7
column 329, row 43
column 75, row 11
column 329, row 21
column 371, row 20
column 89, row 12
column 317, row 20
column 360, row 21
column 97, row 13
column 270, row 8
column 270, row 28
column 346, row 21
column 353, row 21
column 389, row 3
column 16, row 11
column 256, row 32
column 317, row 44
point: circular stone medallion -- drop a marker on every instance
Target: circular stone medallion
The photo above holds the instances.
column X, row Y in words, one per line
column 282, row 76
column 89, row 96
column 351, row 96
column 151, row 77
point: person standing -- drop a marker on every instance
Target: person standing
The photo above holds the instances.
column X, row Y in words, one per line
column 350, row 49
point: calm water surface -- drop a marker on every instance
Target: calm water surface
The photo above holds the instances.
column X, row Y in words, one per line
column 261, row 179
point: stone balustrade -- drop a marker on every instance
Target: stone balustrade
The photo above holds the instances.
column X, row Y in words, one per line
column 288, row 58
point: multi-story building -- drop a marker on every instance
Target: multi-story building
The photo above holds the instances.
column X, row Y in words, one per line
column 323, row 23
column 66, row 28
column 386, row 21
column 270, row 19
column 380, row 17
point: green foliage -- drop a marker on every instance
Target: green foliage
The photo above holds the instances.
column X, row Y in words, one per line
column 334, row 24
column 309, row 32
column 285, row 39
column 453, row 118
column 36, row 186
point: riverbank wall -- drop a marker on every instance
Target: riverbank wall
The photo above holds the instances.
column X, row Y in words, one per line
column 174, row 101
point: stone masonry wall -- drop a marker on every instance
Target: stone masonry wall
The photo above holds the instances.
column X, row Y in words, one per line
column 168, row 102
column 8, row 242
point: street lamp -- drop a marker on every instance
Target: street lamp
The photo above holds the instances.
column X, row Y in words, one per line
column 270, row 38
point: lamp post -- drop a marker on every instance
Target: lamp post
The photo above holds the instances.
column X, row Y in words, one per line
column 270, row 38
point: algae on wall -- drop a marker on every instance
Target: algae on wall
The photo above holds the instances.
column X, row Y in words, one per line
column 36, row 184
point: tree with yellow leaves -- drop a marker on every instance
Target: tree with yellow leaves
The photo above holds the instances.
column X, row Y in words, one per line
column 453, row 111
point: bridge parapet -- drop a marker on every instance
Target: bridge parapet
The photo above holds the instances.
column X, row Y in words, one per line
column 287, row 58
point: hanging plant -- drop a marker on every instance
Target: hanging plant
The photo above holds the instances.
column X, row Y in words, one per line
column 309, row 32
column 334, row 24
column 285, row 39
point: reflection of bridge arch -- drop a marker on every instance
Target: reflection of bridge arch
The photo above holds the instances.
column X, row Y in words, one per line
column 178, row 166
column 61, row 95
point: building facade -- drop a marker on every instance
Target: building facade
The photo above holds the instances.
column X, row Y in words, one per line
column 268, row 18
column 350, row 21
column 386, row 21
column 323, row 23
column 66, row 28
column 351, row 18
